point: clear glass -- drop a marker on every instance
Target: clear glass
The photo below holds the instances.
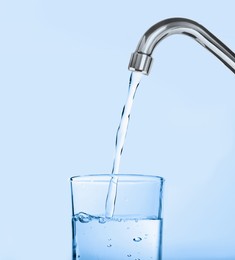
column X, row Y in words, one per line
column 134, row 231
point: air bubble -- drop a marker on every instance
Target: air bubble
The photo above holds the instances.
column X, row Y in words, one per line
column 129, row 255
column 84, row 218
column 137, row 239
column 109, row 245
column 102, row 220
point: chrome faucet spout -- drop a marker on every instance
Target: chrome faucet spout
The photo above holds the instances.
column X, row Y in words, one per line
column 141, row 59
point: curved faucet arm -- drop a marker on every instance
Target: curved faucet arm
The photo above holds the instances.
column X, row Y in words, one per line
column 141, row 59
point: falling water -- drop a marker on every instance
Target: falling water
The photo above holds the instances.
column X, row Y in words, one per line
column 120, row 139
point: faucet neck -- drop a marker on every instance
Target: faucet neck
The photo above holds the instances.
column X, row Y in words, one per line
column 141, row 59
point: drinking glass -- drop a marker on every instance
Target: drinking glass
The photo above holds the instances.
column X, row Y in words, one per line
column 133, row 232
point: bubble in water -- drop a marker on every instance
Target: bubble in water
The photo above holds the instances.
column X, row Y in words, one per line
column 137, row 239
column 129, row 255
column 109, row 239
column 84, row 218
column 109, row 245
column 102, row 220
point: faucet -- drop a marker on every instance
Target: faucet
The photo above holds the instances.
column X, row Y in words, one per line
column 141, row 59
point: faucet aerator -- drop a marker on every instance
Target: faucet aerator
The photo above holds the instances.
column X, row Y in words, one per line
column 140, row 62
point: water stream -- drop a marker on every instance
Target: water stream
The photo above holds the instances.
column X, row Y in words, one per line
column 119, row 143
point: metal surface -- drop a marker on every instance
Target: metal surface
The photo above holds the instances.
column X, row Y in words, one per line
column 141, row 59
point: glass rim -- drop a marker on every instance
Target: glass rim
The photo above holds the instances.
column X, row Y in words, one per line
column 105, row 177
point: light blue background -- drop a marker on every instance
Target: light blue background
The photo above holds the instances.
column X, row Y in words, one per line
column 63, row 83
